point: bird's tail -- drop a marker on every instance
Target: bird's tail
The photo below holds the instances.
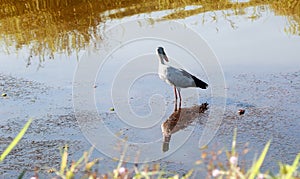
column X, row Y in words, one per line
column 199, row 83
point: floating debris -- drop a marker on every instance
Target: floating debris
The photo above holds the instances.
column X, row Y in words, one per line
column 51, row 170
column 241, row 111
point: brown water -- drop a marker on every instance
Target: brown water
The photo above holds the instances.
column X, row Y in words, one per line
column 257, row 44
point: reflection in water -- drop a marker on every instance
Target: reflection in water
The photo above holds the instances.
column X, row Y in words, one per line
column 291, row 10
column 180, row 119
column 51, row 26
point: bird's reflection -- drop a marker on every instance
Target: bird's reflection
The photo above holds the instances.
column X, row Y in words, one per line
column 178, row 120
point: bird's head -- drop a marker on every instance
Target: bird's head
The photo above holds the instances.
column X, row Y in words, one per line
column 161, row 53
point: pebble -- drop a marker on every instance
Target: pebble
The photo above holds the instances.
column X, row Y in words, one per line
column 241, row 111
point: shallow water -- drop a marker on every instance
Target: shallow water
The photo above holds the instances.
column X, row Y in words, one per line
column 256, row 44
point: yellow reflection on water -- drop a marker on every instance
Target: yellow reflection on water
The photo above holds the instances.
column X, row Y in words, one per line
column 66, row 26
column 290, row 9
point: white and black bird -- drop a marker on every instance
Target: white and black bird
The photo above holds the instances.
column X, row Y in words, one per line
column 176, row 77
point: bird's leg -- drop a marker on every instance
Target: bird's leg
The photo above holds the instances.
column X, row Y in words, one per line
column 175, row 98
column 179, row 98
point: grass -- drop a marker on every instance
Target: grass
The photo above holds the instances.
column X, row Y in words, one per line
column 15, row 141
column 87, row 169
column 232, row 171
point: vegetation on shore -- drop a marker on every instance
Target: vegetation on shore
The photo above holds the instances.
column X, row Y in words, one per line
column 86, row 168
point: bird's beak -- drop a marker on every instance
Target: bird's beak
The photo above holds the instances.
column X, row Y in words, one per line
column 164, row 56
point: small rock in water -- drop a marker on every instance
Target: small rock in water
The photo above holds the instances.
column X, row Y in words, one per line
column 241, row 111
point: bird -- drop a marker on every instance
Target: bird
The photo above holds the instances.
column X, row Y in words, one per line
column 176, row 77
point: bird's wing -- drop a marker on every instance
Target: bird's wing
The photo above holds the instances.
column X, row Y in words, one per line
column 185, row 73
column 180, row 77
column 197, row 82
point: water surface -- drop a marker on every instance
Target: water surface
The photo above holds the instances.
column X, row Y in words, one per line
column 256, row 42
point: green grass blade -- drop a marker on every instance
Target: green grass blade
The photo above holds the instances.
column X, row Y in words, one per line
column 75, row 165
column 256, row 166
column 64, row 160
column 15, row 141
column 22, row 174
column 293, row 167
column 188, row 174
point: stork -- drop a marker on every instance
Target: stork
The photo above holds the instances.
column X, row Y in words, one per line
column 176, row 77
